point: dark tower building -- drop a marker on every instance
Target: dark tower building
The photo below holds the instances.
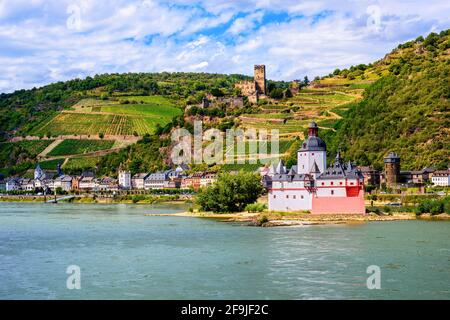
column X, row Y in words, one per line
column 392, row 169
column 260, row 78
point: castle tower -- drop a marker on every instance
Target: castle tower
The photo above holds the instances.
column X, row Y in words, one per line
column 312, row 156
column 392, row 169
column 260, row 78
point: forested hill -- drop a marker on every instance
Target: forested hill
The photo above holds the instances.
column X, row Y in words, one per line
column 25, row 108
column 406, row 110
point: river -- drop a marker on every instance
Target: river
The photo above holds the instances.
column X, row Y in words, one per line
column 123, row 254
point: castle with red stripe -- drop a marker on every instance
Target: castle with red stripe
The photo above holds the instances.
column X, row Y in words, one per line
column 311, row 186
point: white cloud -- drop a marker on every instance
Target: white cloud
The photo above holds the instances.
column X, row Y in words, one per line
column 246, row 24
column 311, row 37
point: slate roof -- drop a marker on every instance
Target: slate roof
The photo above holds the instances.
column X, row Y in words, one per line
column 313, row 143
column 339, row 170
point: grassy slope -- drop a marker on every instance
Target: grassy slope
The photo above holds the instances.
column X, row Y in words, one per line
column 94, row 116
column 72, row 146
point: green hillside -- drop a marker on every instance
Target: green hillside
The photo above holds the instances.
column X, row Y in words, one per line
column 406, row 110
column 399, row 103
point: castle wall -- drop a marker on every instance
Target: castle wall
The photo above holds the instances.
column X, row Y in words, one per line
column 289, row 199
column 335, row 205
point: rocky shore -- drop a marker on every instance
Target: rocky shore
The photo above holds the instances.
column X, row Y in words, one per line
column 300, row 219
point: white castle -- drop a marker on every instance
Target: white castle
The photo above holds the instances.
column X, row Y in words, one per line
column 311, row 186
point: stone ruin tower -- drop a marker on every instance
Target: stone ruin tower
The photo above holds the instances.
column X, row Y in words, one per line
column 392, row 169
column 260, row 78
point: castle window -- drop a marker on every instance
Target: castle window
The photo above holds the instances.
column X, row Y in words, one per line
column 332, row 191
column 287, row 196
column 340, row 183
column 332, row 182
column 323, row 183
column 312, row 153
column 294, row 196
column 301, row 196
column 274, row 196
column 351, row 183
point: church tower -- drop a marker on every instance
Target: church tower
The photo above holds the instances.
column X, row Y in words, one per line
column 312, row 156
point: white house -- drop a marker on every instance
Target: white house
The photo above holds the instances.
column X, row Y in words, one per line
column 124, row 179
column 441, row 178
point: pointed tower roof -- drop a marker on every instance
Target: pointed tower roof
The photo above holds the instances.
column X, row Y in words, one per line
column 272, row 169
column 314, row 168
column 280, row 169
column 293, row 171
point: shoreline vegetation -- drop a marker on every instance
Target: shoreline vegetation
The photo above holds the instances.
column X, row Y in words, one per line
column 261, row 219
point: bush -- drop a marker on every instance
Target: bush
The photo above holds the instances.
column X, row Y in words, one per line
column 263, row 219
column 255, row 207
column 434, row 206
column 230, row 193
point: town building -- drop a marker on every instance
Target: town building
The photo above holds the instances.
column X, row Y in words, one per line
column 157, row 180
column 422, row 176
column 12, row 184
column 124, row 179
column 64, row 182
column 87, row 183
column 207, row 179
column 311, row 186
column 107, row 184
column 137, row 181
column 192, row 181
column 371, row 175
column 441, row 178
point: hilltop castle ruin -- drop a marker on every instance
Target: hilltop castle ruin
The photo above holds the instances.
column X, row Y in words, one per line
column 254, row 89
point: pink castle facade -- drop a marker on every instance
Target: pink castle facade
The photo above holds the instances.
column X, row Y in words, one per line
column 311, row 186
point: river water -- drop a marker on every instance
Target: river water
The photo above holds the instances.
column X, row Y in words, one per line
column 123, row 254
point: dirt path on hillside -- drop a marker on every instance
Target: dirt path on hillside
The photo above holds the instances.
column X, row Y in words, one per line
column 120, row 138
column 99, row 153
column 50, row 147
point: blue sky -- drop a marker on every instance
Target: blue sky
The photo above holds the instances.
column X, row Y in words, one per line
column 43, row 41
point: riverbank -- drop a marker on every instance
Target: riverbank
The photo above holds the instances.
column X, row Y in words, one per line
column 302, row 219
column 90, row 199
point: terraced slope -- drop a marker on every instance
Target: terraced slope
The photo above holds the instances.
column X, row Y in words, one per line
column 126, row 116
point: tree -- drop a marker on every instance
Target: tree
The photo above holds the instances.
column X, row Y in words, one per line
column 306, row 81
column 217, row 92
column 277, row 93
column 230, row 193
column 101, row 135
column 288, row 93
